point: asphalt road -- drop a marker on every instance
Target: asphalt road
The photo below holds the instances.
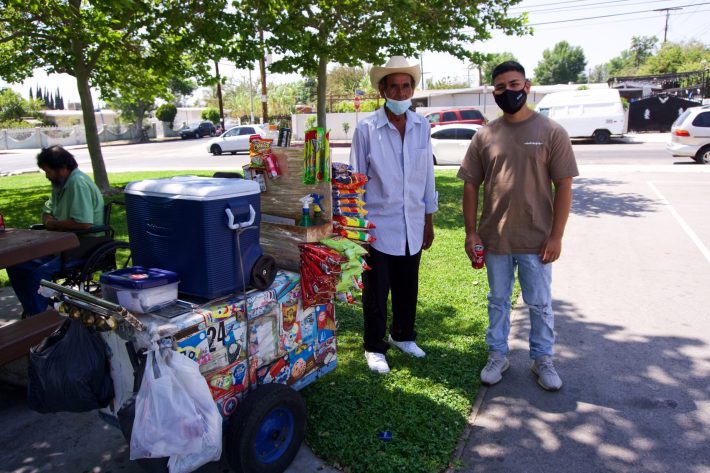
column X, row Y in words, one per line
column 192, row 154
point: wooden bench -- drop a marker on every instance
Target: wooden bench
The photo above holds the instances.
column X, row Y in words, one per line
column 18, row 337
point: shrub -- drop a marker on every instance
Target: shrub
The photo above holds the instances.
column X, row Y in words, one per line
column 166, row 113
column 211, row 114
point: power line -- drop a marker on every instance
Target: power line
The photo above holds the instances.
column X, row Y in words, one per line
column 588, row 6
column 608, row 16
column 608, row 22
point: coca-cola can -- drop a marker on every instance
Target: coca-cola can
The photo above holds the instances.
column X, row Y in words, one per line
column 479, row 260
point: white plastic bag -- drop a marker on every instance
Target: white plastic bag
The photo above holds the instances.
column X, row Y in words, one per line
column 166, row 422
column 188, row 373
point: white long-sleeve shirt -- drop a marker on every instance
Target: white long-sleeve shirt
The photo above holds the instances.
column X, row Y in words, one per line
column 400, row 190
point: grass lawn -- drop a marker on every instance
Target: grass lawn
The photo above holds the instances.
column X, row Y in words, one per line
column 424, row 403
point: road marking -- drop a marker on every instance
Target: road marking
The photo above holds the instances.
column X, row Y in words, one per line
column 686, row 228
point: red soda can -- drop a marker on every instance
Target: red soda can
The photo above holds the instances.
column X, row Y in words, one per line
column 479, row 260
column 272, row 166
column 2, row 223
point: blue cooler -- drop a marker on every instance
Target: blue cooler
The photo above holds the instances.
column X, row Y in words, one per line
column 204, row 229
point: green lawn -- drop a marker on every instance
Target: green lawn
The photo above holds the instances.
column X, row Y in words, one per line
column 424, row 403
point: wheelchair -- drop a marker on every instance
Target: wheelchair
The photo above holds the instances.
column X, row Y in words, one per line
column 98, row 252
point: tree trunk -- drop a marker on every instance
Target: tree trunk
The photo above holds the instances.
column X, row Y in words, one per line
column 87, row 109
column 322, row 82
column 139, row 112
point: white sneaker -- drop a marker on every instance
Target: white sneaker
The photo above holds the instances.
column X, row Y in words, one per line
column 377, row 362
column 547, row 376
column 494, row 369
column 410, row 348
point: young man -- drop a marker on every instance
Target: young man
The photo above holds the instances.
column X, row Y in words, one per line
column 75, row 204
column 518, row 158
column 393, row 148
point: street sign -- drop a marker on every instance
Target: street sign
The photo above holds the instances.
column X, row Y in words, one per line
column 356, row 102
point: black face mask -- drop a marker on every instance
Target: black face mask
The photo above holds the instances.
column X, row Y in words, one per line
column 510, row 101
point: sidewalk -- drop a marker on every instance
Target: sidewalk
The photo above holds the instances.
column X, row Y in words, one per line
column 633, row 339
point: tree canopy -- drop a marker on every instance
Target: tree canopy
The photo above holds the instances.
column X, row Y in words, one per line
column 491, row 62
column 308, row 35
column 561, row 64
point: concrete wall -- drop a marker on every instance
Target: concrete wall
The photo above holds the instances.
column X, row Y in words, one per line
column 33, row 138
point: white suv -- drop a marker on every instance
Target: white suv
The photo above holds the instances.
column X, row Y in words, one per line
column 690, row 134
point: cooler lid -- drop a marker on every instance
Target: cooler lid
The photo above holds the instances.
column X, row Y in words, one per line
column 194, row 187
column 138, row 277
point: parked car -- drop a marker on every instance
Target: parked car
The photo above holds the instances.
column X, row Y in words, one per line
column 456, row 115
column 450, row 142
column 690, row 135
column 198, row 130
column 234, row 140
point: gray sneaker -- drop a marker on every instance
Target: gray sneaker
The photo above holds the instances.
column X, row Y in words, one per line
column 494, row 369
column 547, row 376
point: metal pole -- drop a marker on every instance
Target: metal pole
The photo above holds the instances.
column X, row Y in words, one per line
column 262, row 68
column 251, row 100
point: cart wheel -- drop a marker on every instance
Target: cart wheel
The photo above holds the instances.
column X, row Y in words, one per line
column 112, row 255
column 266, row 431
column 263, row 272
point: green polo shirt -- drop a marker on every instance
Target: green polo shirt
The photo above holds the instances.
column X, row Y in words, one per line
column 79, row 200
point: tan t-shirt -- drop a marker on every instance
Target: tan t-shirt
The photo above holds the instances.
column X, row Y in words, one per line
column 517, row 162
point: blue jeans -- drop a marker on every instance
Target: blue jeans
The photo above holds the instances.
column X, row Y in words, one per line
column 535, row 281
column 25, row 278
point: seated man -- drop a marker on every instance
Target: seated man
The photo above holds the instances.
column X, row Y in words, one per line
column 75, row 204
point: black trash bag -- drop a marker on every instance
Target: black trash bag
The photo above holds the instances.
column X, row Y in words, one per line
column 69, row 372
column 126, row 414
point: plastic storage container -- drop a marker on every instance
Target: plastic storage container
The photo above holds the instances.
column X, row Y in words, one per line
column 182, row 224
column 140, row 289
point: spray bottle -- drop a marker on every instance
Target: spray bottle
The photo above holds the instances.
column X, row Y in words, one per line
column 317, row 209
column 306, row 202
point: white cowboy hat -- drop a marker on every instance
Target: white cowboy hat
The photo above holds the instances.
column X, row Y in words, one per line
column 396, row 64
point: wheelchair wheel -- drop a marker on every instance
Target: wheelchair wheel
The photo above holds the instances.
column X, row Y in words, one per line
column 112, row 255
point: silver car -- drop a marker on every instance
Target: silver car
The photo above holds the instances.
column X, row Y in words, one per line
column 235, row 139
column 690, row 135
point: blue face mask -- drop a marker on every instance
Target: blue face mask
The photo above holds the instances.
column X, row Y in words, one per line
column 398, row 107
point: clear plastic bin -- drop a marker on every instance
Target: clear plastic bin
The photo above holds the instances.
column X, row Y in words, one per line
column 139, row 289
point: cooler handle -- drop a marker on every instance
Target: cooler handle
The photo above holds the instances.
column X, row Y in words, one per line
column 234, row 226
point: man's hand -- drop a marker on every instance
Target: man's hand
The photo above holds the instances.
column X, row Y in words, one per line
column 472, row 240
column 551, row 249
column 428, row 232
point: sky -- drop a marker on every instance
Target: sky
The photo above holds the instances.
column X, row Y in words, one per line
column 575, row 21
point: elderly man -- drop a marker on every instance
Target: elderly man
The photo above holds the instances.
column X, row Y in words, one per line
column 393, row 148
column 75, row 204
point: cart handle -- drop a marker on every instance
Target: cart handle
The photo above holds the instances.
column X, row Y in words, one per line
column 236, row 225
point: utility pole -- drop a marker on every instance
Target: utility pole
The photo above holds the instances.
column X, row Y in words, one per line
column 668, row 13
column 262, row 68
column 219, row 94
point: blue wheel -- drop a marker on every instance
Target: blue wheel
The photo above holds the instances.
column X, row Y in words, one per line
column 274, row 435
column 266, row 431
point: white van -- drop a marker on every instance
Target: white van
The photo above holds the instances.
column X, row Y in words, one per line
column 595, row 113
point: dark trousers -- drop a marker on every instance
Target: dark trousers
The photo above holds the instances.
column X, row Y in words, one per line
column 400, row 276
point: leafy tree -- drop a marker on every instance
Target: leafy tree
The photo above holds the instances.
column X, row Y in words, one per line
column 166, row 113
column 94, row 42
column 561, row 64
column 211, row 114
column 13, row 107
column 309, row 37
column 181, row 88
column 642, row 48
column 345, row 80
column 491, row 62
column 445, row 83
column 677, row 57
